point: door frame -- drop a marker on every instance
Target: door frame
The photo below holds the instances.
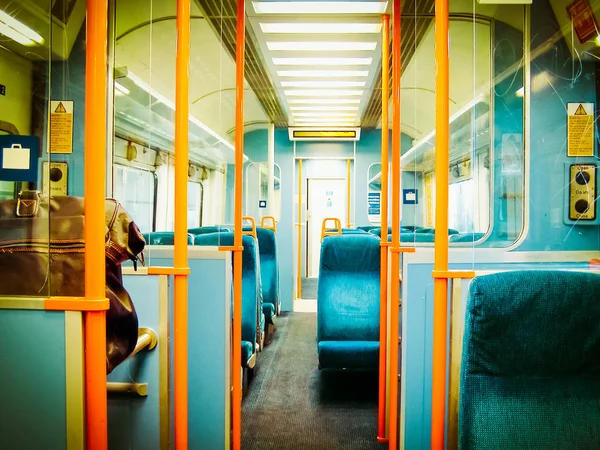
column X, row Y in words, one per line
column 307, row 253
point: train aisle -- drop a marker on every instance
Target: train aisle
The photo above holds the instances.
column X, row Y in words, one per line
column 292, row 405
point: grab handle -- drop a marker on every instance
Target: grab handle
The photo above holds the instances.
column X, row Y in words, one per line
column 337, row 227
column 252, row 231
column 273, row 225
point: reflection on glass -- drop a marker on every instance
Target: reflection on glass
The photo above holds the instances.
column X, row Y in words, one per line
column 194, row 216
column 135, row 189
column 374, row 194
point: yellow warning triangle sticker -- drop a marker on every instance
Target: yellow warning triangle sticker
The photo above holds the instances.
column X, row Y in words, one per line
column 580, row 111
column 61, row 109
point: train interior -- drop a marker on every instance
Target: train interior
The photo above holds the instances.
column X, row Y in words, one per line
column 523, row 226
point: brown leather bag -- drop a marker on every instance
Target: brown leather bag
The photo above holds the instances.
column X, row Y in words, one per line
column 42, row 254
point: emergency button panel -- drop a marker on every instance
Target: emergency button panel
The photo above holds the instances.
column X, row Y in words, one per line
column 582, row 196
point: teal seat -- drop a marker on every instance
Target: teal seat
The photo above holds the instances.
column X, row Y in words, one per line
column 466, row 237
column 415, row 237
column 269, row 272
column 347, row 231
column 451, row 231
column 368, row 228
column 530, row 369
column 163, row 238
column 348, row 306
column 251, row 293
column 208, row 229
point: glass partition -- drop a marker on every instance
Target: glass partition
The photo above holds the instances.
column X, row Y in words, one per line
column 257, row 191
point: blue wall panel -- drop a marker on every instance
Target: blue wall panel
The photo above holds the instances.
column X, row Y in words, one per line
column 32, row 380
column 134, row 422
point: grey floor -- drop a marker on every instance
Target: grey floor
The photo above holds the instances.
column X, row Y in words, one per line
column 292, row 405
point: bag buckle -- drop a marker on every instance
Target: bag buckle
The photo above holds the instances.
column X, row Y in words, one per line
column 28, row 203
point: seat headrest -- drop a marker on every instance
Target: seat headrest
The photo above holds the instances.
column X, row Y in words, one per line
column 466, row 237
column 249, row 255
column 533, row 323
column 266, row 241
column 351, row 253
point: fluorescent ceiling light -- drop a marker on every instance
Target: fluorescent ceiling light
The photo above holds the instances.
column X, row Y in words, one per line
column 120, row 89
column 12, row 28
column 324, row 114
column 323, row 93
column 323, row 84
column 320, row 27
column 324, row 124
column 321, row 46
column 324, row 108
column 324, row 101
column 325, row 119
column 322, row 61
column 319, row 7
column 138, row 82
column 323, row 73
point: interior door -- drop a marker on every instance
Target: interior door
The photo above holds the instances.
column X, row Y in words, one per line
column 326, row 198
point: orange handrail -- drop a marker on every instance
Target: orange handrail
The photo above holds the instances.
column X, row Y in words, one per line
column 440, row 264
column 252, row 231
column 337, row 227
column 348, row 198
column 395, row 255
column 385, row 94
column 94, row 188
column 299, row 225
column 236, row 400
column 180, row 311
column 273, row 225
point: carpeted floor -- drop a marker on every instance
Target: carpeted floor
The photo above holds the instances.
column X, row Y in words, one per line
column 292, row 405
column 309, row 288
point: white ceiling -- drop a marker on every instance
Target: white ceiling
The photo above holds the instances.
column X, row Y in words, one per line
column 318, row 106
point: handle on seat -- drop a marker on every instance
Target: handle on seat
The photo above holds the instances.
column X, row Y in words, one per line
column 273, row 223
column 252, row 232
column 337, row 227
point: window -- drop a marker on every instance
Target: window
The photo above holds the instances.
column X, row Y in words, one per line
column 136, row 190
column 195, row 196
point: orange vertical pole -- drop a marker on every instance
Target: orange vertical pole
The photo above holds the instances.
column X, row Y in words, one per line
column 440, row 286
column 299, row 228
column 395, row 246
column 237, row 226
column 181, row 254
column 95, row 180
column 385, row 95
column 348, row 198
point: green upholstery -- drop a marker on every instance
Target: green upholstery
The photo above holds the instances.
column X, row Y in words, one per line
column 208, row 229
column 269, row 271
column 368, row 228
column 451, row 231
column 251, row 292
column 414, row 237
column 347, row 230
column 530, row 372
column 348, row 306
column 246, row 352
column 163, row 238
column 466, row 237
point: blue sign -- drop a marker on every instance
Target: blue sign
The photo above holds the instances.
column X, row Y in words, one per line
column 374, row 200
column 262, row 203
column 410, row 196
column 19, row 158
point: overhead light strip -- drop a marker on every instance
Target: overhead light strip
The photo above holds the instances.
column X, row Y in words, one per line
column 321, row 46
column 320, row 28
column 322, row 61
column 15, row 30
column 319, row 7
column 323, row 93
column 323, row 101
column 335, row 114
column 323, row 73
column 323, row 108
column 323, row 84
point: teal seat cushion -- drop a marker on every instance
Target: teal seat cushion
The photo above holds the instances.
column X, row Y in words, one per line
column 348, row 354
column 269, row 312
column 247, row 352
column 269, row 268
column 466, row 237
column 530, row 368
column 208, row 229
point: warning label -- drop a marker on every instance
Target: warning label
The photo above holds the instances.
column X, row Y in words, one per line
column 580, row 129
column 61, row 127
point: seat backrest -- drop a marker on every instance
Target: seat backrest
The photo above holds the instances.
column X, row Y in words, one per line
column 466, row 237
column 207, row 230
column 368, row 228
column 530, row 368
column 269, row 265
column 163, row 238
column 348, row 291
column 414, row 237
column 251, row 291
